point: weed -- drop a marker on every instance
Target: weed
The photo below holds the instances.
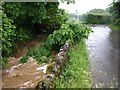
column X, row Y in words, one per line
column 76, row 73
column 40, row 54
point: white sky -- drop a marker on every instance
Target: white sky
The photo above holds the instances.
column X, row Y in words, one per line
column 83, row 6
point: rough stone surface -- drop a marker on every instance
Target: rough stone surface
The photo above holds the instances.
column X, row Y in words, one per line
column 54, row 69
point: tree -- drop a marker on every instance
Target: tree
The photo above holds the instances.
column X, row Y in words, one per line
column 115, row 11
column 98, row 16
column 29, row 20
column 97, row 11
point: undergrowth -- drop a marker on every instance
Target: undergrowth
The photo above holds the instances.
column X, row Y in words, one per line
column 40, row 54
column 114, row 27
column 76, row 73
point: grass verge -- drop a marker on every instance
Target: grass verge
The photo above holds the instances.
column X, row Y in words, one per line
column 76, row 73
column 114, row 27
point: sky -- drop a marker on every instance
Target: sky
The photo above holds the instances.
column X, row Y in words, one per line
column 83, row 6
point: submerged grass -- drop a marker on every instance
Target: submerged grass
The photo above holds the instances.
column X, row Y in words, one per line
column 40, row 54
column 76, row 73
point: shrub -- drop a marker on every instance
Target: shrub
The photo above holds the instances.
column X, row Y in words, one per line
column 72, row 30
column 41, row 17
column 80, row 30
column 115, row 11
column 8, row 35
column 40, row 54
column 92, row 18
column 59, row 37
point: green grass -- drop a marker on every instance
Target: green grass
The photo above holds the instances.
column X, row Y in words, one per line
column 114, row 27
column 76, row 73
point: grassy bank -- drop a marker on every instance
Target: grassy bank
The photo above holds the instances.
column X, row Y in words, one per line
column 76, row 73
column 114, row 27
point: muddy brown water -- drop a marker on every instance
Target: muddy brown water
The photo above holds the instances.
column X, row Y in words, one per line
column 23, row 75
column 103, row 47
column 34, row 42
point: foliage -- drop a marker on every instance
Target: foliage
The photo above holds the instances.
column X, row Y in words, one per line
column 115, row 11
column 37, row 17
column 62, row 35
column 8, row 35
column 24, row 15
column 114, row 27
column 98, row 16
column 30, row 19
column 59, row 37
column 24, row 59
column 40, row 54
column 76, row 73
column 97, row 11
column 3, row 63
column 92, row 18
column 68, row 1
column 55, row 18
column 80, row 30
column 107, row 10
column 71, row 30
column 24, row 20
column 24, row 11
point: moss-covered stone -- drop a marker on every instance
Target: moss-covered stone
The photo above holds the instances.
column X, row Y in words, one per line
column 54, row 69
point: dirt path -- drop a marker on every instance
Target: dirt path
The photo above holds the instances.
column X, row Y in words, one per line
column 103, row 55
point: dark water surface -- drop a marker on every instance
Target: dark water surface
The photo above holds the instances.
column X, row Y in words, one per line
column 103, row 48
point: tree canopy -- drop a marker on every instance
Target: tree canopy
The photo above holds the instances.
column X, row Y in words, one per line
column 115, row 11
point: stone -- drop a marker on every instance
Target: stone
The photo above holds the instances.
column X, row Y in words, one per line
column 53, row 70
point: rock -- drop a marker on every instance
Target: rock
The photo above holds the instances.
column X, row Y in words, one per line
column 54, row 69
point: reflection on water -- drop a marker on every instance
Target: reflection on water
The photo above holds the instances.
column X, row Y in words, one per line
column 102, row 47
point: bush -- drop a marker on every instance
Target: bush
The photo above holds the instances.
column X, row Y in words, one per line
column 41, row 17
column 8, row 35
column 71, row 30
column 115, row 11
column 59, row 37
column 80, row 30
column 92, row 18
column 40, row 54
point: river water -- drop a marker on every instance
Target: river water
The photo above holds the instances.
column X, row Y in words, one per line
column 22, row 75
column 103, row 47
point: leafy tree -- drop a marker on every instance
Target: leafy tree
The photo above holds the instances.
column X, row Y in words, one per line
column 8, row 37
column 73, row 30
column 21, row 21
column 97, row 11
column 115, row 11
column 107, row 10
column 55, row 17
column 68, row 1
column 98, row 16
column 37, row 17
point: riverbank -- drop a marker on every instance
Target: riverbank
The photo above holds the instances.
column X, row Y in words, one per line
column 76, row 73
column 113, row 27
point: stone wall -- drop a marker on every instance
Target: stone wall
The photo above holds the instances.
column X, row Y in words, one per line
column 54, row 69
